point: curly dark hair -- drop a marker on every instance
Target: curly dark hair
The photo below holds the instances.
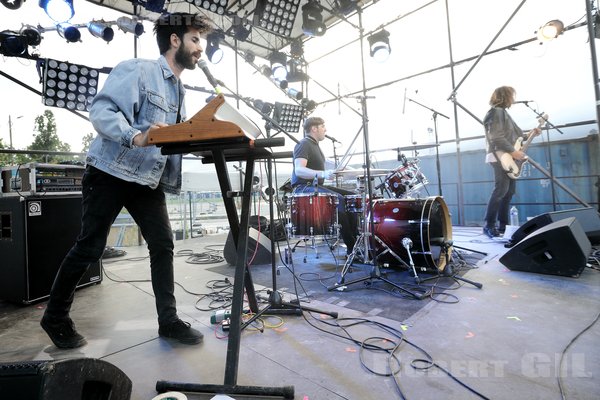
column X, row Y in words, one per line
column 179, row 24
column 503, row 97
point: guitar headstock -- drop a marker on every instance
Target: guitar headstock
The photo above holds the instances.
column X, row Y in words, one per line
column 542, row 120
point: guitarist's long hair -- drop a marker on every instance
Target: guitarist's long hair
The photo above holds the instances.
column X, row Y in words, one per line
column 503, row 97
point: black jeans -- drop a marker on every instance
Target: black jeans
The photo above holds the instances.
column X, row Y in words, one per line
column 499, row 203
column 348, row 221
column 103, row 198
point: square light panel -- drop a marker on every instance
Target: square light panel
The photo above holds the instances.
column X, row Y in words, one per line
column 68, row 85
column 276, row 16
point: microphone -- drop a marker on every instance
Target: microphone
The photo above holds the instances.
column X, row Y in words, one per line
column 211, row 79
column 523, row 102
column 332, row 139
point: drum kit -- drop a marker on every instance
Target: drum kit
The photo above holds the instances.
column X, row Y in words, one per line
column 408, row 231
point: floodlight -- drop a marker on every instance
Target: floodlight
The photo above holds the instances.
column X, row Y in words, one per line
column 12, row 44
column 58, row 10
column 12, row 4
column 130, row 25
column 309, row 105
column 276, row 16
column 69, row 32
column 278, row 65
column 216, row 6
column 550, row 30
column 157, row 6
column 213, row 50
column 312, row 19
column 379, row 44
column 68, row 85
column 288, row 116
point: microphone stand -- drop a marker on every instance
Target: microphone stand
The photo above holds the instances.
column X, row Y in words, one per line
column 437, row 151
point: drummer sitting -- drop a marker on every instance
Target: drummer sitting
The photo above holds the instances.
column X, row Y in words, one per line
column 309, row 173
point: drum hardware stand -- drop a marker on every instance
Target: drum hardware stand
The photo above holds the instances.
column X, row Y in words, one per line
column 437, row 142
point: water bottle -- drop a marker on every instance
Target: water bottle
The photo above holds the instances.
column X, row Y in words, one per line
column 514, row 216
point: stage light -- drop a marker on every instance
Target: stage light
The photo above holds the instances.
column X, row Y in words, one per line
column 309, row 105
column 278, row 65
column 550, row 30
column 295, row 73
column 379, row 44
column 249, row 56
column 295, row 94
column 157, row 6
column 264, row 107
column 68, row 85
column 216, row 6
column 276, row 16
column 58, row 10
column 69, row 32
column 12, row 4
column 130, row 25
column 288, row 116
column 312, row 19
column 240, row 32
column 345, row 6
column 32, row 36
column 213, row 49
column 12, row 44
column 101, row 30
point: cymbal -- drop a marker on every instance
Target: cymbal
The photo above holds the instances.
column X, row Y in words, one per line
column 418, row 146
column 361, row 173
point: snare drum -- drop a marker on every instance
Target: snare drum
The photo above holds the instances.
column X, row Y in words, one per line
column 426, row 222
column 313, row 214
column 405, row 180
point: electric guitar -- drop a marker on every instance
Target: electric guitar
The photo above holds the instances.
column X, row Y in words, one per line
column 513, row 167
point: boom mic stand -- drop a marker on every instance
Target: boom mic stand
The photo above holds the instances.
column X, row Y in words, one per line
column 437, row 142
column 375, row 272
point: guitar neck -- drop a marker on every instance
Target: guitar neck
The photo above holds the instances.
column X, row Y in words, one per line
column 542, row 122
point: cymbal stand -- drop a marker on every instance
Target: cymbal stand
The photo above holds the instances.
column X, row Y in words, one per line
column 437, row 149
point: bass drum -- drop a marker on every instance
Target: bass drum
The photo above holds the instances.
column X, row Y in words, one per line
column 426, row 222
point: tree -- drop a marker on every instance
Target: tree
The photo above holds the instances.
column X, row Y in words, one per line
column 86, row 141
column 47, row 138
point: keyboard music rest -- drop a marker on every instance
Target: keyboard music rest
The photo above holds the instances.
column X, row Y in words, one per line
column 216, row 120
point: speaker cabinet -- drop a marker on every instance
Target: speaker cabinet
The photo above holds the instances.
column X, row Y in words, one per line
column 588, row 218
column 36, row 232
column 559, row 248
column 76, row 378
column 258, row 254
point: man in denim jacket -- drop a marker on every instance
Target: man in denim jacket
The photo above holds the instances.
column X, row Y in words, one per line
column 123, row 171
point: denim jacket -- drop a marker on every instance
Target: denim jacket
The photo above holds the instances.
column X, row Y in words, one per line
column 136, row 94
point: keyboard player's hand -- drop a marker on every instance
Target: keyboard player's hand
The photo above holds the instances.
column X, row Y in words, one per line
column 141, row 139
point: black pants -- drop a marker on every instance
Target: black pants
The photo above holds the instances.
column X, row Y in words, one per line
column 499, row 203
column 348, row 221
column 103, row 198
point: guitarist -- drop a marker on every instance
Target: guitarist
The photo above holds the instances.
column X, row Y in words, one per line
column 501, row 134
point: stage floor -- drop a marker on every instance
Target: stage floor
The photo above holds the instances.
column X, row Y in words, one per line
column 506, row 340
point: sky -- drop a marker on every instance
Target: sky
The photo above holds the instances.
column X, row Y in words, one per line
column 556, row 75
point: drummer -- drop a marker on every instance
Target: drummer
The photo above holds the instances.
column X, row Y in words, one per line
column 309, row 171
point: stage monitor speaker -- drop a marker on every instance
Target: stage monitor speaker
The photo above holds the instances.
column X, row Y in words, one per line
column 588, row 217
column 76, row 379
column 559, row 248
column 36, row 232
column 263, row 250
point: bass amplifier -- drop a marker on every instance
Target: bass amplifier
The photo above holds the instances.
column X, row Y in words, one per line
column 36, row 232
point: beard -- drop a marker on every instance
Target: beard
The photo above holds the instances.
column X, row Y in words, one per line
column 184, row 58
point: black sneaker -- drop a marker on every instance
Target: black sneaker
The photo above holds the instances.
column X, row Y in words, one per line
column 181, row 331
column 62, row 333
column 491, row 232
